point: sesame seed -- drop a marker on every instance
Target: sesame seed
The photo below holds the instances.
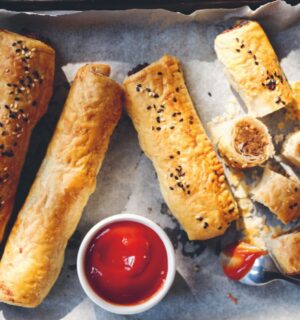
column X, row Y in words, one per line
column 172, row 127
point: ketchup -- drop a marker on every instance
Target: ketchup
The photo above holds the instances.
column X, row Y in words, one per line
column 238, row 259
column 126, row 263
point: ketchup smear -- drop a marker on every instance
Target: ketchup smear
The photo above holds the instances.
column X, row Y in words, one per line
column 238, row 259
column 126, row 263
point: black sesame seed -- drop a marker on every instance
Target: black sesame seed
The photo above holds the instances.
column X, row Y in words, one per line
column 181, row 120
column 177, row 89
column 256, row 63
column 156, row 96
column 12, row 115
column 174, row 114
column 220, row 227
column 174, row 99
column 171, row 157
column 158, row 128
column 18, row 50
column 205, row 225
column 8, row 84
column 7, row 153
column 159, row 73
column 209, row 93
column 171, row 175
column 237, row 50
column 171, row 188
column 172, row 127
column 14, row 44
column 188, row 192
column 158, row 119
column 200, row 218
column 178, row 152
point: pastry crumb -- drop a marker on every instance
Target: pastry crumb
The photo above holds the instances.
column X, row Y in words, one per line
column 281, row 125
column 278, row 138
column 232, row 298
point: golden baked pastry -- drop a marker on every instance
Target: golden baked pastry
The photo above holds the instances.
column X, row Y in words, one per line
column 253, row 69
column 245, row 142
column 26, row 79
column 34, row 253
column 170, row 133
column 291, row 148
column 285, row 249
column 280, row 194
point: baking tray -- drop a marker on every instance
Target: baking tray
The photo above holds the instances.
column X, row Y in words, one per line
column 187, row 6
column 67, row 301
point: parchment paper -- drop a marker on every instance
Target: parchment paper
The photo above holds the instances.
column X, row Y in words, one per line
column 127, row 181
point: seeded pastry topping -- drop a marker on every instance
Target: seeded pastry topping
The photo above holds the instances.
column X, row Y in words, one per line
column 14, row 119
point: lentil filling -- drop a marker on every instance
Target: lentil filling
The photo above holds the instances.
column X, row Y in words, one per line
column 249, row 140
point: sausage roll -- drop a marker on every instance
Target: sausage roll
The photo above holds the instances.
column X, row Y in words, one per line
column 253, row 68
column 280, row 194
column 26, row 80
column 34, row 253
column 245, row 143
column 170, row 133
column 291, row 148
column 285, row 249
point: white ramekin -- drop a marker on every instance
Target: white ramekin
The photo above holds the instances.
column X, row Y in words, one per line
column 124, row 309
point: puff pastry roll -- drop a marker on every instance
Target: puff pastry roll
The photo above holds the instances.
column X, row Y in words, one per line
column 26, row 80
column 253, row 69
column 34, row 253
column 291, row 148
column 170, row 133
column 280, row 194
column 285, row 249
column 245, row 143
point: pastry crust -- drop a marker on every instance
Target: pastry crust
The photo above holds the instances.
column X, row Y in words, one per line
column 285, row 249
column 291, row 148
column 245, row 143
column 170, row 133
column 253, row 69
column 34, row 253
column 280, row 194
column 26, row 80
